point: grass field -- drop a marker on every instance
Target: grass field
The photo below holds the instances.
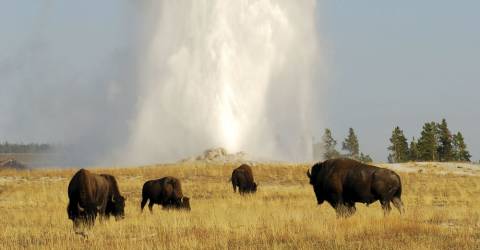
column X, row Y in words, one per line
column 442, row 212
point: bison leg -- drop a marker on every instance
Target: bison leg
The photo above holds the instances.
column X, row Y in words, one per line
column 77, row 223
column 397, row 202
column 103, row 217
column 91, row 220
column 351, row 209
column 144, row 202
column 386, row 206
column 340, row 211
column 150, row 206
column 235, row 184
column 336, row 201
column 86, row 222
column 345, row 210
column 341, row 208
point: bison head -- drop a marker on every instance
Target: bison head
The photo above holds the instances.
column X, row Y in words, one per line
column 118, row 207
column 254, row 188
column 315, row 181
column 82, row 214
column 315, row 172
column 185, row 203
column 311, row 178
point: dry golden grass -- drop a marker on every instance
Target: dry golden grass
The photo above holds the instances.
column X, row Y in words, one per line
column 442, row 212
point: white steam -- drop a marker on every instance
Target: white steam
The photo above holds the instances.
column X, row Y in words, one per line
column 235, row 74
column 116, row 89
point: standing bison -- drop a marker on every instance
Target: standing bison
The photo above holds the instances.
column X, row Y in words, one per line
column 92, row 194
column 242, row 177
column 167, row 192
column 343, row 182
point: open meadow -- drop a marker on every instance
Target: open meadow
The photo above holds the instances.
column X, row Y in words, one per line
column 442, row 212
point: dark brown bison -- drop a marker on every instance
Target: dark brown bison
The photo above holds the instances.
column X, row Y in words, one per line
column 91, row 195
column 343, row 182
column 242, row 177
column 167, row 192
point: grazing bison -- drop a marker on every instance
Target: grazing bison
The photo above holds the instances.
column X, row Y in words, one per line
column 167, row 192
column 92, row 194
column 242, row 177
column 343, row 182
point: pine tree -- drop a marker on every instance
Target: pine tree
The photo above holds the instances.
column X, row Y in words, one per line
column 460, row 151
column 413, row 150
column 444, row 142
column 365, row 158
column 399, row 147
column 427, row 144
column 329, row 145
column 351, row 145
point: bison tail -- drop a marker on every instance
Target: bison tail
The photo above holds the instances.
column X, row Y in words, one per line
column 397, row 201
column 398, row 193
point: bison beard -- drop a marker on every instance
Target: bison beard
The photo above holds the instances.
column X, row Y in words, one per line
column 343, row 182
column 167, row 192
column 242, row 177
column 91, row 194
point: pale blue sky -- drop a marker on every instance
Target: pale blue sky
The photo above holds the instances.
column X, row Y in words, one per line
column 401, row 63
column 388, row 63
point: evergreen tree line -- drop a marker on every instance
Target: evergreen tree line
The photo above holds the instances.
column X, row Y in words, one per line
column 436, row 143
column 12, row 148
column 327, row 148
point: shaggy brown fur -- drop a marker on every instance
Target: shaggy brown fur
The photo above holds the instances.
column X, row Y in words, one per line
column 242, row 177
column 91, row 194
column 343, row 182
column 166, row 191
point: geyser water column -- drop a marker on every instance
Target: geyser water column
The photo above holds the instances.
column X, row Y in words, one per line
column 234, row 74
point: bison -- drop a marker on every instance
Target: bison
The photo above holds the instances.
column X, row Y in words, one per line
column 343, row 182
column 167, row 192
column 92, row 194
column 242, row 177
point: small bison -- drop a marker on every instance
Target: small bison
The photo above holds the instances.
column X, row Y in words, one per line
column 167, row 192
column 91, row 195
column 343, row 182
column 242, row 177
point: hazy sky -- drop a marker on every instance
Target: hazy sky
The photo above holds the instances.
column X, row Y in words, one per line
column 388, row 63
column 66, row 74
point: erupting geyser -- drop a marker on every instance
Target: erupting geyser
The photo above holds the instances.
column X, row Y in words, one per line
column 235, row 74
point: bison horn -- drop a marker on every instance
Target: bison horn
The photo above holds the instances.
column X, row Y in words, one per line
column 80, row 208
column 308, row 174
